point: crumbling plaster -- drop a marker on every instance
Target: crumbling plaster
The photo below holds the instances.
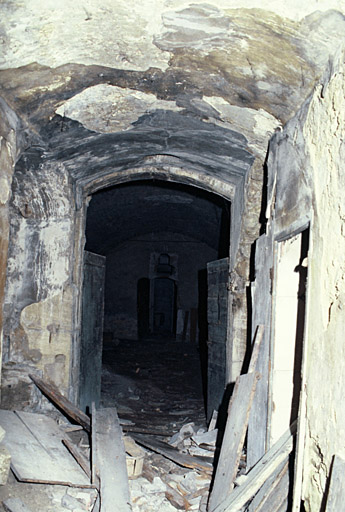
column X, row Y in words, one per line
column 325, row 377
column 12, row 142
column 39, row 293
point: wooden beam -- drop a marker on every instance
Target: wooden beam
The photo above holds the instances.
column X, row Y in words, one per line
column 79, row 457
column 234, row 435
column 171, row 453
column 110, row 463
column 258, row 337
column 265, row 467
column 261, row 500
column 37, row 452
column 61, row 402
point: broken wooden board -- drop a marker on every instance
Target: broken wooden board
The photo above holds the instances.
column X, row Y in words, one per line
column 257, row 476
column 61, row 402
column 78, row 456
column 234, row 435
column 38, row 455
column 169, row 452
column 336, row 493
column 258, row 337
column 261, row 500
column 110, row 461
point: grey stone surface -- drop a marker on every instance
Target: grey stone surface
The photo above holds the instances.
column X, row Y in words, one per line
column 5, row 461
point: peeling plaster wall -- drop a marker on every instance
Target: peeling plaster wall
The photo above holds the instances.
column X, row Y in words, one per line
column 39, row 293
column 325, row 135
column 12, row 141
column 306, row 184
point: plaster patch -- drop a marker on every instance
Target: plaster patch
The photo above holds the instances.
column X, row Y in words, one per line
column 324, row 134
column 114, row 34
column 257, row 125
column 48, row 327
column 106, row 108
column 4, row 190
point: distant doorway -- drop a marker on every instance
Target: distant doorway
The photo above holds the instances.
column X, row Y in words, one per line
column 143, row 305
column 164, row 306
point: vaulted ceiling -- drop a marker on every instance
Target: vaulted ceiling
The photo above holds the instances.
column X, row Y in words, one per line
column 128, row 211
column 103, row 88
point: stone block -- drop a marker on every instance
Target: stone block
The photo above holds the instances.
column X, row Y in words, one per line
column 5, row 461
column 2, row 434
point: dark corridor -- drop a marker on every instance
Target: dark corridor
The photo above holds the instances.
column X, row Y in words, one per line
column 157, row 238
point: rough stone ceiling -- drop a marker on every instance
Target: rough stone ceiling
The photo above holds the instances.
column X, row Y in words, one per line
column 148, row 78
column 154, row 208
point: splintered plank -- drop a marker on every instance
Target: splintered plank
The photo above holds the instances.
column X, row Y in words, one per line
column 336, row 494
column 37, row 453
column 171, row 453
column 78, row 456
column 263, row 499
column 110, row 461
column 259, row 334
column 257, row 476
column 61, row 402
column 234, row 435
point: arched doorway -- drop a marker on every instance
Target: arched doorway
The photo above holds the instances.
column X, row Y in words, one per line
column 158, row 238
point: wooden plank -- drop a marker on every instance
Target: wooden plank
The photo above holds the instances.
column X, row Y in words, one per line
column 261, row 300
column 61, row 402
column 258, row 337
column 78, row 456
column 15, row 505
column 94, row 477
column 147, row 431
column 259, row 503
column 336, row 494
column 257, row 476
column 182, row 459
column 91, row 345
column 217, row 317
column 38, row 455
column 234, row 435
column 280, row 495
column 110, row 463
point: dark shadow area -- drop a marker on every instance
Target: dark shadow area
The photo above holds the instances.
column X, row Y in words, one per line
column 143, row 298
column 157, row 238
column 327, row 487
column 224, row 241
column 302, row 269
column 264, row 196
column 203, row 329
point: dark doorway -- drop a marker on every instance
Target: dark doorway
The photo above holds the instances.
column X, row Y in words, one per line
column 164, row 306
column 143, row 297
column 158, row 238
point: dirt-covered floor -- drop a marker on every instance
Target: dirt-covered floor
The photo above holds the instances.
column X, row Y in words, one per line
column 155, row 383
column 157, row 388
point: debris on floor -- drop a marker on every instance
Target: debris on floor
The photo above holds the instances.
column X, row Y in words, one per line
column 151, row 459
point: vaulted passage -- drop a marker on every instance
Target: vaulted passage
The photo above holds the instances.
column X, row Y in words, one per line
column 155, row 240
